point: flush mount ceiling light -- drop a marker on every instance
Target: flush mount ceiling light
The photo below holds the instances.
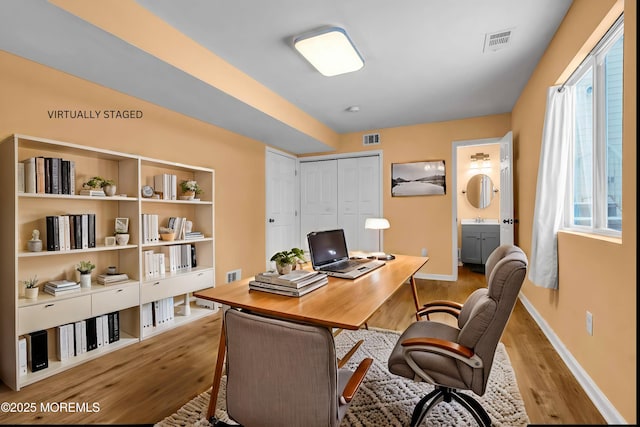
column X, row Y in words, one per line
column 330, row 51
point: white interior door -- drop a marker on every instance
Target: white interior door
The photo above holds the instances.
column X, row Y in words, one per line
column 318, row 197
column 506, row 190
column 359, row 199
column 282, row 200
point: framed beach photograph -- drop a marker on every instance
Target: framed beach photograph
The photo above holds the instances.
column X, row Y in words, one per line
column 122, row 225
column 425, row 178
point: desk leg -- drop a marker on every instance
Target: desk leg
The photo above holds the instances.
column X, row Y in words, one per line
column 415, row 296
column 217, row 375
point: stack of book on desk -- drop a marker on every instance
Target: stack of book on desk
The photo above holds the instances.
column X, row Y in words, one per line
column 295, row 284
column 61, row 287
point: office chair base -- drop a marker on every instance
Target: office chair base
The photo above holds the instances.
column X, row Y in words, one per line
column 447, row 394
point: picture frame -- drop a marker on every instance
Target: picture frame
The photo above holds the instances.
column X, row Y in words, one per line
column 110, row 241
column 122, row 225
column 422, row 178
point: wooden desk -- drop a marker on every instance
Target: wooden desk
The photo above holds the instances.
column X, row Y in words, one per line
column 342, row 303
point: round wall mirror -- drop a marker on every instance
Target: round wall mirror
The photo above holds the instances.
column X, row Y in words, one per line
column 480, row 191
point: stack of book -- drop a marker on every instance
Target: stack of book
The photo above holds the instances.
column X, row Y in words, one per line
column 192, row 235
column 111, row 279
column 295, row 284
column 61, row 287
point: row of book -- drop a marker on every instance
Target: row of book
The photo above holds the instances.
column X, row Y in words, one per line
column 181, row 230
column 167, row 185
column 171, row 258
column 50, row 175
column 69, row 232
column 157, row 313
column 87, row 335
column 72, row 339
column 150, row 231
column 295, row 284
column 61, row 287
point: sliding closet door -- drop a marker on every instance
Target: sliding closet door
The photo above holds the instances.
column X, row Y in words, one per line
column 318, row 197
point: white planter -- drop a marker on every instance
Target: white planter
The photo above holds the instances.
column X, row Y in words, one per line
column 122, row 239
column 31, row 293
column 109, row 190
column 85, row 280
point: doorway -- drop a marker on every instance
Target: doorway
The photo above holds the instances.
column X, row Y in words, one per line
column 484, row 198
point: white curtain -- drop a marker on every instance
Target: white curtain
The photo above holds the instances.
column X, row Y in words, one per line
column 551, row 190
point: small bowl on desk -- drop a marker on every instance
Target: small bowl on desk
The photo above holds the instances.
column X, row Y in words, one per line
column 167, row 237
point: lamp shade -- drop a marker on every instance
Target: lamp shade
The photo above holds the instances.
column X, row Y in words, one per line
column 330, row 51
column 376, row 224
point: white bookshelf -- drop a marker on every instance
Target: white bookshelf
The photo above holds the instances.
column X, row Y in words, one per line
column 22, row 212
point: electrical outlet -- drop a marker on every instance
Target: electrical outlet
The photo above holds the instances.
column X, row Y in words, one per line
column 234, row 275
column 589, row 323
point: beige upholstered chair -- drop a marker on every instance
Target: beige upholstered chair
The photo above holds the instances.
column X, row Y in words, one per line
column 460, row 358
column 281, row 373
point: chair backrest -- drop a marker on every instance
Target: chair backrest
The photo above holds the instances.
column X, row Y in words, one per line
column 280, row 373
column 485, row 313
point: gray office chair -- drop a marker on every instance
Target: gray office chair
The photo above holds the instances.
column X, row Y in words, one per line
column 460, row 358
column 281, row 373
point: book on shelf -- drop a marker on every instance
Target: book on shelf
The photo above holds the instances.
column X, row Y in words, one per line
column 295, row 279
column 61, row 291
column 288, row 290
column 193, row 235
column 166, row 184
column 111, row 279
column 61, row 284
column 20, row 177
column 92, row 192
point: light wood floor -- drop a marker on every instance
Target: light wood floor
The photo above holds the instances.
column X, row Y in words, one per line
column 148, row 381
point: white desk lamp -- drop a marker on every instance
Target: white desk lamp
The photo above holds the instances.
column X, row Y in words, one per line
column 378, row 224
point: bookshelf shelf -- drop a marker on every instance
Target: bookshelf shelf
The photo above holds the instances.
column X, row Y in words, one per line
column 36, row 197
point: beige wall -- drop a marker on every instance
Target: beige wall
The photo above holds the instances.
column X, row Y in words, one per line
column 29, row 90
column 424, row 221
column 596, row 274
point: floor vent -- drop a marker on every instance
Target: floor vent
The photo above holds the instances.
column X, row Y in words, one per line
column 496, row 41
column 371, row 139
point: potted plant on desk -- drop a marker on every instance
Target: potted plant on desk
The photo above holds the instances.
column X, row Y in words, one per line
column 287, row 260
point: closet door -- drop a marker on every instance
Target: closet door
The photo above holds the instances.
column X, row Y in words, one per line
column 318, row 197
column 359, row 199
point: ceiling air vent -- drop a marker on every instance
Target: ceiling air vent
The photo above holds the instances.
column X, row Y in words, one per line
column 371, row 139
column 496, row 41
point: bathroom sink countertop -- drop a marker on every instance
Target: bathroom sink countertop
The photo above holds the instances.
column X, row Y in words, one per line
column 481, row 221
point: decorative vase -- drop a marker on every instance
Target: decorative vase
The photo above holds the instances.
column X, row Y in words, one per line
column 85, row 280
column 284, row 268
column 31, row 293
column 109, row 190
column 122, row 239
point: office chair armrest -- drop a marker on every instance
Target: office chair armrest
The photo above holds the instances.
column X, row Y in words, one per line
column 356, row 379
column 448, row 348
column 440, row 306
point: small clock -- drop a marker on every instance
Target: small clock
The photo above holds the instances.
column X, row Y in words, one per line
column 147, row 191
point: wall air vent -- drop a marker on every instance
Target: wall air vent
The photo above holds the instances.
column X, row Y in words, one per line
column 371, row 139
column 496, row 41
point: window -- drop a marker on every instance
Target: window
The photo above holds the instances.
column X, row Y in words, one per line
column 596, row 178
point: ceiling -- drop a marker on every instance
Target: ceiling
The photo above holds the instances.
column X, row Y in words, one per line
column 424, row 59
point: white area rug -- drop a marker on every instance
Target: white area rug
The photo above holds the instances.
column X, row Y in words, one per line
column 385, row 399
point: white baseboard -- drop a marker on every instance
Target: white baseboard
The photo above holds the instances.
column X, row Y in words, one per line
column 606, row 408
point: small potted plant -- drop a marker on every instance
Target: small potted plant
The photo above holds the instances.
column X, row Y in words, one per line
column 31, row 287
column 287, row 260
column 85, row 268
column 100, row 183
column 190, row 189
